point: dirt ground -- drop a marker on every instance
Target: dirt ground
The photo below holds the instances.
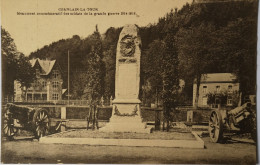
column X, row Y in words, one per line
column 31, row 151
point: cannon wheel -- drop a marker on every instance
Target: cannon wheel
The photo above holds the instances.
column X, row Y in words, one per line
column 8, row 126
column 41, row 123
column 215, row 126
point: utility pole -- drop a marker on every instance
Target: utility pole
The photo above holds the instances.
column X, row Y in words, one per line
column 68, row 77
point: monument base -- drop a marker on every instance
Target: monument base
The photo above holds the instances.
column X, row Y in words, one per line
column 123, row 121
column 126, row 124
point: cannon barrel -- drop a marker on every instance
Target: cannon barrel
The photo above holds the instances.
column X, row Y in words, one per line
column 14, row 108
column 22, row 113
column 237, row 110
column 240, row 113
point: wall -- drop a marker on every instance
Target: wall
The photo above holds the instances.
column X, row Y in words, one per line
column 211, row 87
column 51, row 80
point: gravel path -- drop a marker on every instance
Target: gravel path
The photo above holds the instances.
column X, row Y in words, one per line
column 27, row 151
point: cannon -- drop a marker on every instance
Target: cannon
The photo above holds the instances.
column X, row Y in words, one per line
column 17, row 117
column 239, row 120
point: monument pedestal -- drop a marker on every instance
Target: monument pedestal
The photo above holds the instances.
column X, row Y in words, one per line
column 126, row 124
column 123, row 121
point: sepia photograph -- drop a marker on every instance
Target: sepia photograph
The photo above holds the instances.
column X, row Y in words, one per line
column 129, row 81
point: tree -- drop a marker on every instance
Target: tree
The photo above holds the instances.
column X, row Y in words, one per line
column 195, row 56
column 95, row 76
column 153, row 68
column 15, row 66
column 170, row 78
column 237, row 46
column 109, row 44
column 9, row 63
column 95, row 68
column 110, row 65
column 79, row 83
column 25, row 73
column 226, row 22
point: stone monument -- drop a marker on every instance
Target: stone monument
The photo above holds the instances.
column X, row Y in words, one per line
column 126, row 115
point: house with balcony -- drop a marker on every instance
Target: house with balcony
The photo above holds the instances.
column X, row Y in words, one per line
column 47, row 85
column 216, row 84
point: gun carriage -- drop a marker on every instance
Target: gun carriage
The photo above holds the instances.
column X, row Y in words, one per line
column 236, row 121
column 17, row 117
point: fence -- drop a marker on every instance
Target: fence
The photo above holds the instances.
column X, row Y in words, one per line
column 59, row 102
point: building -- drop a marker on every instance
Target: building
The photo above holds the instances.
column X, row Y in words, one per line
column 215, row 83
column 47, row 85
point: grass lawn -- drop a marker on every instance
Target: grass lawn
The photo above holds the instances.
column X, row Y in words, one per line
column 83, row 133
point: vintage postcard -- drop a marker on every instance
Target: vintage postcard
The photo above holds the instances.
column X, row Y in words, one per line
column 129, row 81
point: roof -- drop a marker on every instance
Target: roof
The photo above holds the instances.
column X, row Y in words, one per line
column 46, row 65
column 33, row 61
column 218, row 77
column 64, row 90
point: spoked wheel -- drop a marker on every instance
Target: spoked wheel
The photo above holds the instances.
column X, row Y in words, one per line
column 8, row 127
column 215, row 126
column 41, row 123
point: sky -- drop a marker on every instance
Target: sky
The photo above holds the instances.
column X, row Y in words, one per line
column 32, row 32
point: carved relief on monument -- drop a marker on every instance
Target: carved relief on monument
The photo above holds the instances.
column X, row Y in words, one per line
column 134, row 113
column 127, row 46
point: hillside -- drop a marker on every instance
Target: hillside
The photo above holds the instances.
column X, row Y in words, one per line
column 226, row 50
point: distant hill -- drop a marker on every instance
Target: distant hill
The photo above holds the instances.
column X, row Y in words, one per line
column 220, row 15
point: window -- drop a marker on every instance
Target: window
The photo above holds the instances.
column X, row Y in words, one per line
column 204, row 89
column 55, row 96
column 217, row 89
column 37, row 84
column 44, row 96
column 217, row 101
column 55, row 73
column 55, row 85
column 44, row 84
column 230, row 88
column 229, row 102
column 37, row 73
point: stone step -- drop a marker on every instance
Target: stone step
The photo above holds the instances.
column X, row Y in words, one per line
column 126, row 120
column 113, row 128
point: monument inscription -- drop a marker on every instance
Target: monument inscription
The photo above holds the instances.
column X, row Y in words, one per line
column 126, row 81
